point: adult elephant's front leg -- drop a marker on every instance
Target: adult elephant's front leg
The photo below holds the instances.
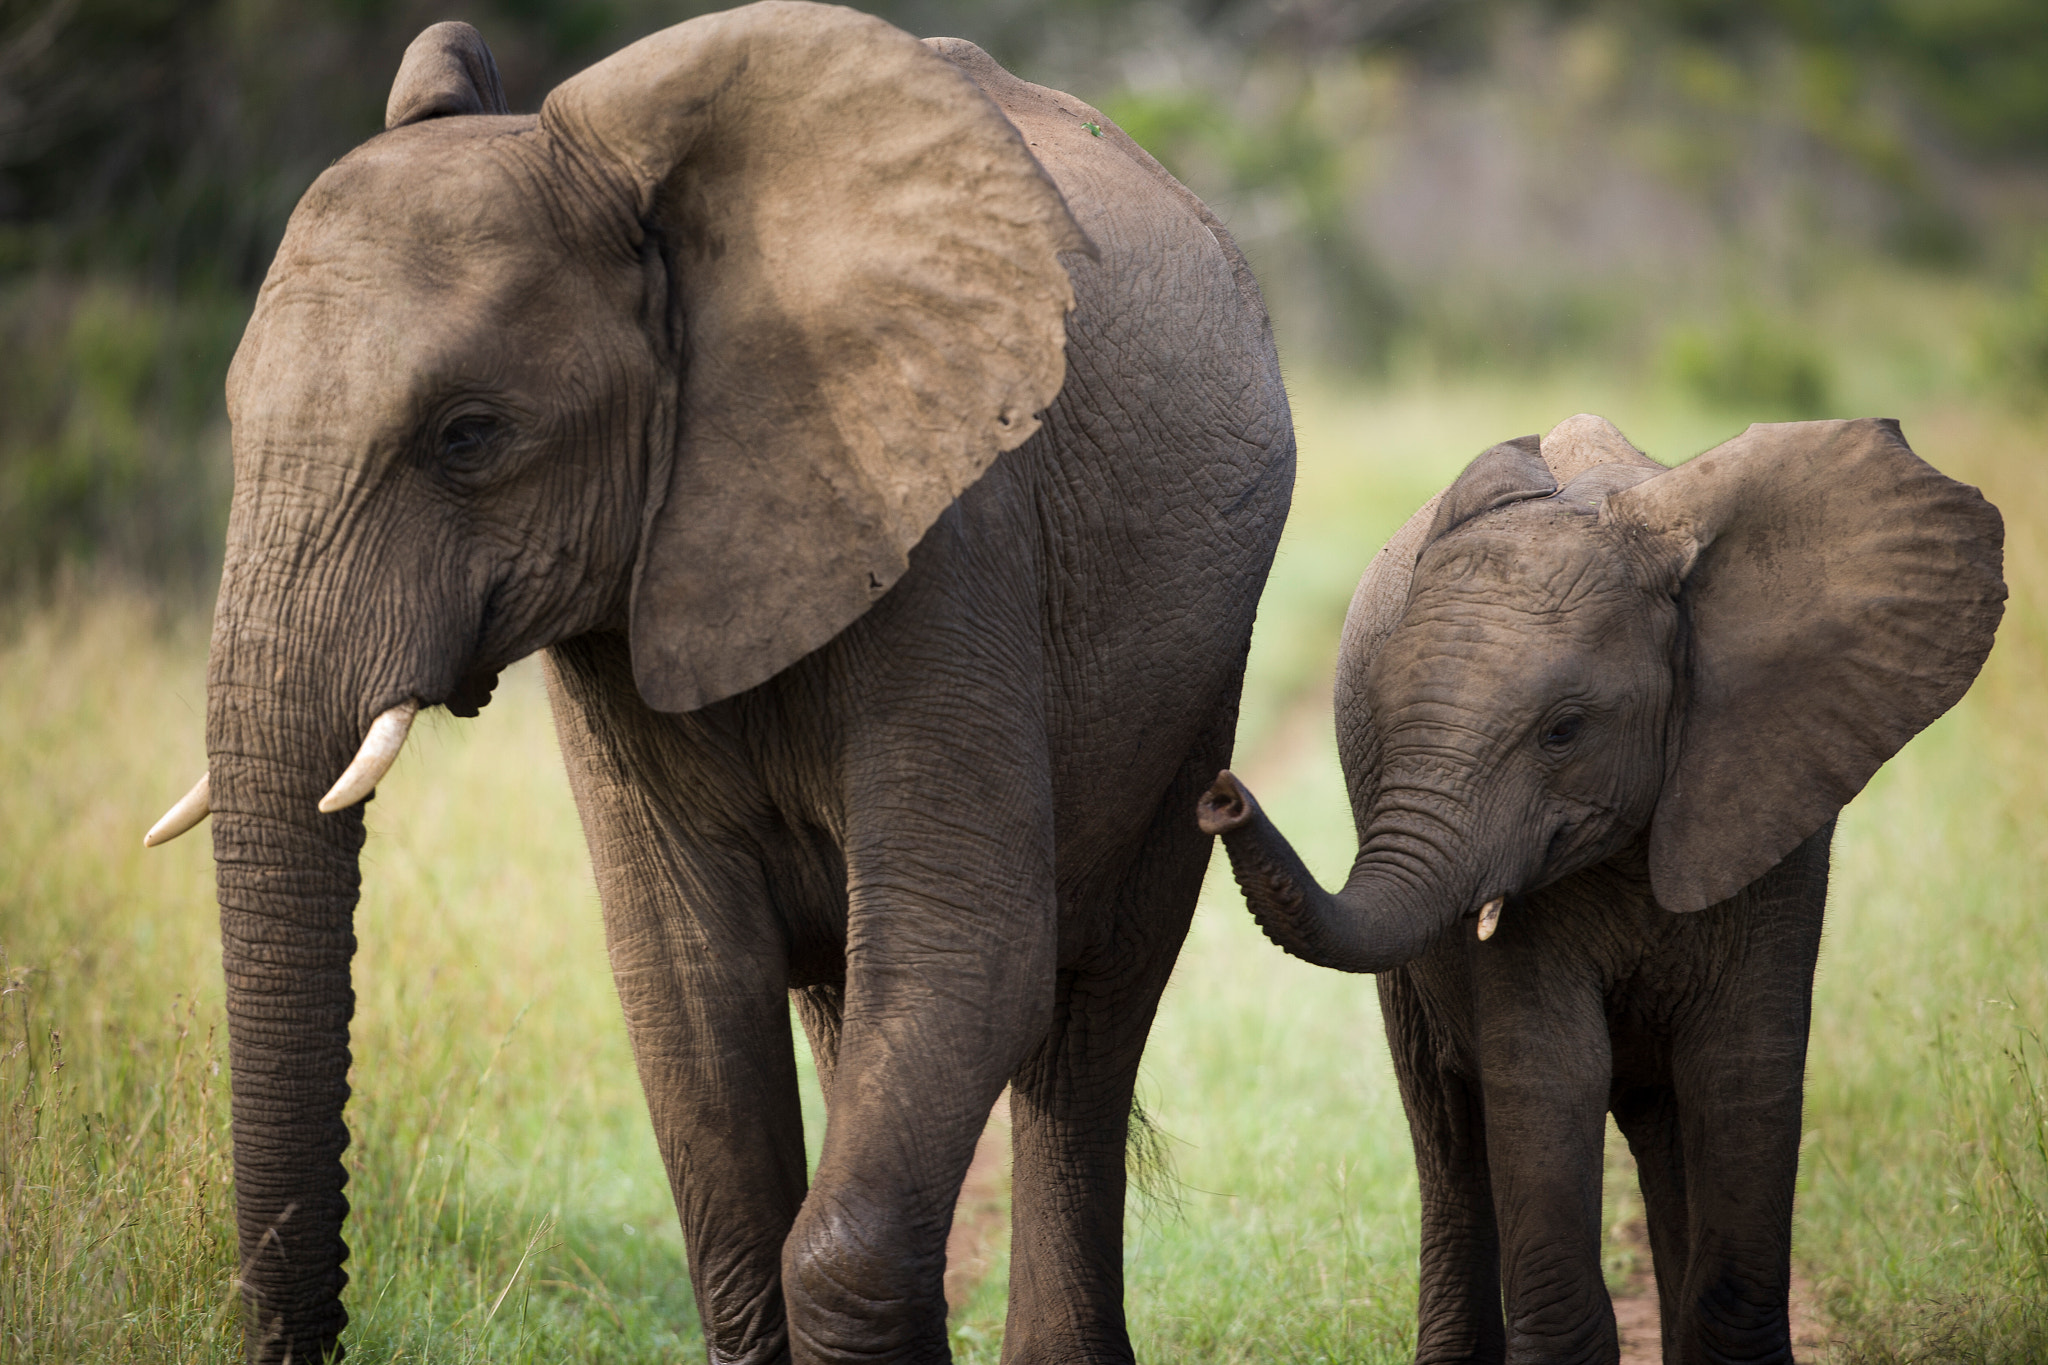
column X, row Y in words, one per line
column 709, row 1021
column 951, row 944
column 701, row 967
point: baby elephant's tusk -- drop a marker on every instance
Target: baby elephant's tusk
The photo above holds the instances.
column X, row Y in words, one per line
column 374, row 759
column 192, row 807
column 1489, row 917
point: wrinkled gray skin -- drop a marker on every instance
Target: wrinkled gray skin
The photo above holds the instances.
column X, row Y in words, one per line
column 518, row 384
column 1629, row 702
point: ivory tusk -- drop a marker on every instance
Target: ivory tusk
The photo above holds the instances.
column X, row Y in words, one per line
column 192, row 807
column 1489, row 917
column 374, row 759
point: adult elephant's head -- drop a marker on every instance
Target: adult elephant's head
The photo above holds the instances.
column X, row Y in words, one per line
column 1572, row 647
column 698, row 354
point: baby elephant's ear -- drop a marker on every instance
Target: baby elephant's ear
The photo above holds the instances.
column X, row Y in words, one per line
column 1842, row 594
column 446, row 71
column 1512, row 471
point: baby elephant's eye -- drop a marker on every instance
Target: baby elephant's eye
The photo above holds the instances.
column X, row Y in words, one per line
column 1563, row 730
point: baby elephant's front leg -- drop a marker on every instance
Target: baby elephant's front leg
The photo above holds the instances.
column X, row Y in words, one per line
column 1738, row 1073
column 1545, row 1064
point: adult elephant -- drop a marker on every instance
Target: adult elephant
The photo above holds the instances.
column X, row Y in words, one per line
column 717, row 380
column 1605, row 714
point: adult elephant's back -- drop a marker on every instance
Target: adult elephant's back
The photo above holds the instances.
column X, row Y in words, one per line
column 1164, row 468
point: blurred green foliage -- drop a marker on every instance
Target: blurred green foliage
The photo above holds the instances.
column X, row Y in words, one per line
column 1752, row 367
column 1981, row 65
column 1286, row 157
column 2016, row 341
column 111, row 434
column 169, row 139
column 1444, row 184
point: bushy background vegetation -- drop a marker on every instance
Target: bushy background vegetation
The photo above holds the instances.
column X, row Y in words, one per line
column 1677, row 187
column 1473, row 218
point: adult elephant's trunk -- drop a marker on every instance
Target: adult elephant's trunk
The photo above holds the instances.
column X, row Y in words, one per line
column 1390, row 910
column 288, row 883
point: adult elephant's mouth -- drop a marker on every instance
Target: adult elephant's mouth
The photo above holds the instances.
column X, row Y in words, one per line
column 473, row 693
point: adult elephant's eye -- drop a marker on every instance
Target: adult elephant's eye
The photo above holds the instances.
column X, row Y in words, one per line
column 1563, row 730
column 466, row 440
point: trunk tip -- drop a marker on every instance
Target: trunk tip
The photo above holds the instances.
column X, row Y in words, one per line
column 1226, row 806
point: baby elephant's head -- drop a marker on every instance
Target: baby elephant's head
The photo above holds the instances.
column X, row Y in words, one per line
column 1572, row 648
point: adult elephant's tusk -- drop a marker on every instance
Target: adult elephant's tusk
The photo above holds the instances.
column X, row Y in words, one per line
column 192, row 807
column 374, row 759
column 1489, row 917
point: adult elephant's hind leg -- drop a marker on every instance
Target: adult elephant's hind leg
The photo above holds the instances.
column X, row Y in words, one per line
column 1070, row 1104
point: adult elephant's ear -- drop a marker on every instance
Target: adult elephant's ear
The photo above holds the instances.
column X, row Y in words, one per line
column 447, row 70
column 1841, row 594
column 864, row 260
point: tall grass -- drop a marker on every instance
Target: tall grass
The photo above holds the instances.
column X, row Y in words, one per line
column 1925, row 1172
column 114, row 1169
column 110, row 1181
column 508, row 1203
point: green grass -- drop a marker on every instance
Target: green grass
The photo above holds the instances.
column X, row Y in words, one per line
column 508, row 1202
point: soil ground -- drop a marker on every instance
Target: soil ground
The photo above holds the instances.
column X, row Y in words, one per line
column 1635, row 1307
column 981, row 1218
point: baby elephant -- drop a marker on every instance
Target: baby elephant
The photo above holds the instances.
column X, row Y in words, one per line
column 1599, row 718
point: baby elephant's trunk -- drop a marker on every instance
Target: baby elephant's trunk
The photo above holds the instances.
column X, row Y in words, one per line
column 1385, row 915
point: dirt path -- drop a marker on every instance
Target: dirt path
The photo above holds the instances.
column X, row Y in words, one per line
column 1635, row 1307
column 980, row 1218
